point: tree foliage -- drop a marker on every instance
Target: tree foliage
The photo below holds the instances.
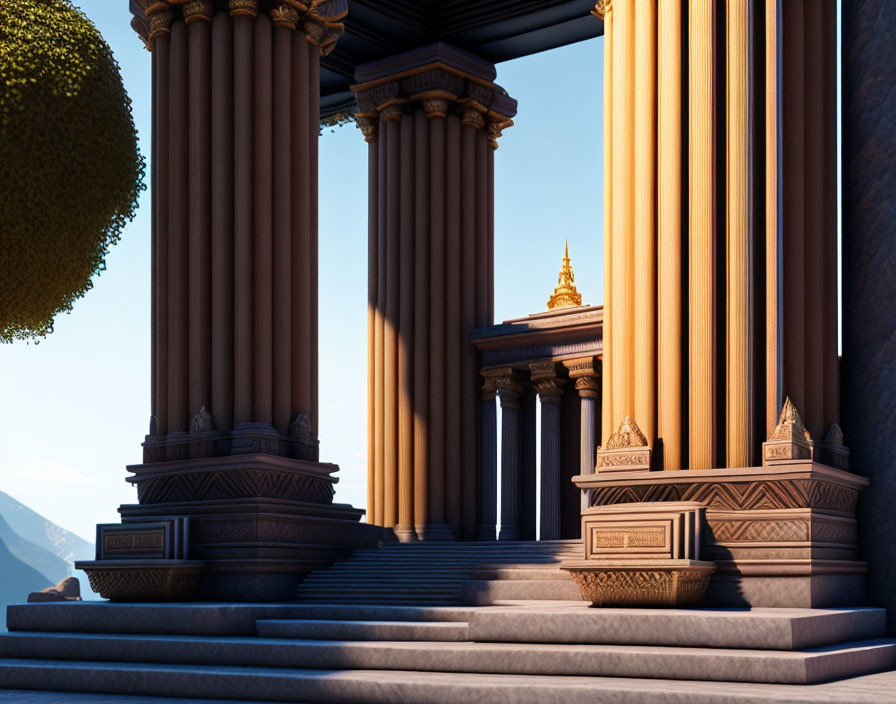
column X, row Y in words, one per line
column 70, row 169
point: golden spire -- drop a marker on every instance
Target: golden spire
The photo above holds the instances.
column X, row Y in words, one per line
column 565, row 295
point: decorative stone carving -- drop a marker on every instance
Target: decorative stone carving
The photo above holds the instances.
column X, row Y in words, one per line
column 472, row 118
column 588, row 386
column 198, row 10
column 509, row 388
column 550, row 390
column 391, row 112
column 300, row 428
column 643, row 585
column 489, row 389
column 626, row 450
column 437, row 106
column 368, row 126
column 285, row 16
column 160, row 23
column 831, row 450
column 790, row 440
column 248, row 8
column 144, row 580
column 141, row 27
column 602, row 8
column 202, row 422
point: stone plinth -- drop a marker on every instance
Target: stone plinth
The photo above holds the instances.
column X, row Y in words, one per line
column 642, row 582
column 782, row 535
column 144, row 580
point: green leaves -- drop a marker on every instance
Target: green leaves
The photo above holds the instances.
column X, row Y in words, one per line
column 70, row 170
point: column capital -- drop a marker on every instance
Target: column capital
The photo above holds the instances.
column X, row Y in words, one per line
column 588, row 386
column 489, row 386
column 317, row 19
column 439, row 79
column 507, row 383
column 550, row 390
column 369, row 125
column 583, row 366
column 602, row 8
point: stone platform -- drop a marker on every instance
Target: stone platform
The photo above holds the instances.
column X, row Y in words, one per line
column 517, row 651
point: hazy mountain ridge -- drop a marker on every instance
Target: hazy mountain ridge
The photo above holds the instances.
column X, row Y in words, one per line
column 36, row 529
column 35, row 553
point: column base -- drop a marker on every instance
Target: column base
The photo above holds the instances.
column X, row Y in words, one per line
column 405, row 534
column 435, row 531
column 509, row 533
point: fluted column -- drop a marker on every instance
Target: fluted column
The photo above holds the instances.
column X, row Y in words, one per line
column 436, row 138
column 488, row 444
column 550, row 394
column 510, row 394
column 235, row 167
column 585, row 375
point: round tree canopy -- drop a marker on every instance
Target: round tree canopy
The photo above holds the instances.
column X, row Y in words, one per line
column 70, row 170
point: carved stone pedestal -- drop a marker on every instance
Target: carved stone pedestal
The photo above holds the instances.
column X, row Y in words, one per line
column 258, row 522
column 781, row 535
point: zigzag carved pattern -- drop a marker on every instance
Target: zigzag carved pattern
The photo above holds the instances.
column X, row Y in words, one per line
column 749, row 531
column 736, row 496
column 242, row 483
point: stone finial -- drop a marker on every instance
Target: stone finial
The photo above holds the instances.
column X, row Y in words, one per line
column 565, row 294
column 202, row 422
column 300, row 428
column 790, row 440
column 832, row 449
column 626, row 450
column 628, row 435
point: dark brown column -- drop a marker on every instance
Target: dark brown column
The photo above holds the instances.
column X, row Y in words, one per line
column 233, row 443
column 869, row 282
column 510, row 394
column 433, row 206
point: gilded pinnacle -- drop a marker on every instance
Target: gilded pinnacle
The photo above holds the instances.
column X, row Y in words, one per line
column 565, row 294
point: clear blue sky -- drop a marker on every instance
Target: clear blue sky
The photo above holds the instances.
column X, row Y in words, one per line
column 75, row 407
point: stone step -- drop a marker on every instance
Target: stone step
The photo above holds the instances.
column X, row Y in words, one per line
column 521, row 573
column 439, row 631
column 698, row 664
column 342, row 612
column 485, row 592
column 382, row 687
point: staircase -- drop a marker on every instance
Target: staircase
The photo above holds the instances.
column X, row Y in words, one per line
column 525, row 652
column 447, row 573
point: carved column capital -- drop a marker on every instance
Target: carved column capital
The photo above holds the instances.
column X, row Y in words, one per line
column 160, row 15
column 588, row 386
column 392, row 111
column 368, row 125
column 489, row 389
column 508, row 387
column 471, row 117
column 245, row 8
column 285, row 16
column 198, row 10
column 550, row 390
column 436, row 103
column 495, row 130
column 602, row 8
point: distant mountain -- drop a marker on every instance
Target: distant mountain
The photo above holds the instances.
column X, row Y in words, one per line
column 38, row 530
column 49, row 565
column 17, row 580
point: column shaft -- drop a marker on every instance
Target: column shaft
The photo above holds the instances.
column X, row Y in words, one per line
column 469, row 367
column 406, row 332
column 702, row 235
column 243, row 129
column 178, row 234
column 550, row 467
column 313, row 52
column 670, row 407
column 437, row 257
column 222, row 346
column 510, row 467
column 488, row 496
column 380, row 330
column 587, row 442
column 372, row 350
column 262, row 233
column 393, row 291
column 644, row 218
column 161, row 109
column 739, row 237
column 607, row 404
column 200, row 204
column 421, row 322
column 282, row 233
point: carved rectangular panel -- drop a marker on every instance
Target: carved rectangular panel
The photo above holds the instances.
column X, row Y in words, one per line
column 163, row 540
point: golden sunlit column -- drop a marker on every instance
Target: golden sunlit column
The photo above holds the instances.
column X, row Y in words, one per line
column 644, row 255
column 669, row 235
column 702, row 234
column 623, row 254
column 430, row 210
column 739, row 236
column 604, row 11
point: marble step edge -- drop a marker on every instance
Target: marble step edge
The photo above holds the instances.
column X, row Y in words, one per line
column 696, row 664
column 341, row 629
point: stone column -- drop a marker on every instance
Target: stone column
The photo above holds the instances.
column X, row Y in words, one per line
column 510, row 393
column 869, row 286
column 586, row 376
column 233, row 442
column 434, row 116
column 550, row 394
column 488, row 445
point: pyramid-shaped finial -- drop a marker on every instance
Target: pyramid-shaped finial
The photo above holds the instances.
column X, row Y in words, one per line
column 565, row 294
column 790, row 440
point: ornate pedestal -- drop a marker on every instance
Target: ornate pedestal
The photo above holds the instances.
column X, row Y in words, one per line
column 782, row 535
